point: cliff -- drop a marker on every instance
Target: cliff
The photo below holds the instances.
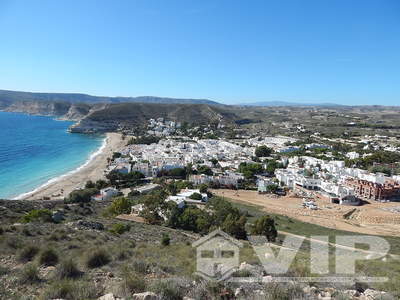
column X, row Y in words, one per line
column 57, row 109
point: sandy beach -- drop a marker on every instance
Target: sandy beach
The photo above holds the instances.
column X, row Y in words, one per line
column 94, row 170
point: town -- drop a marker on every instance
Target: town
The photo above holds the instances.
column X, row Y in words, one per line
column 307, row 178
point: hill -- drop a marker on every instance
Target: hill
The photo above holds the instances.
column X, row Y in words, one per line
column 9, row 97
column 127, row 115
column 284, row 103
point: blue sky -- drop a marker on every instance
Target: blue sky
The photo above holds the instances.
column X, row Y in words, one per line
column 232, row 51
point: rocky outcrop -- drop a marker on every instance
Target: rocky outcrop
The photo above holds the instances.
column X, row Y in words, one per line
column 76, row 112
column 89, row 126
column 39, row 108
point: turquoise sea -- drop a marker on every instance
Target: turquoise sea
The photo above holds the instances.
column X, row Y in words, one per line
column 35, row 150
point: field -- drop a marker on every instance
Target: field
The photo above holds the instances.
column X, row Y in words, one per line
column 366, row 219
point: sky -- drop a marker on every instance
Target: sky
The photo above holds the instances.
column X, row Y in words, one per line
column 313, row 51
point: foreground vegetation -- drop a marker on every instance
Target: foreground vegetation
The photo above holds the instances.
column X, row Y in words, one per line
column 79, row 259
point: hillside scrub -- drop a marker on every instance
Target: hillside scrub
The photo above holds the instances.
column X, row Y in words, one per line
column 119, row 228
column 27, row 253
column 97, row 258
column 81, row 196
column 119, row 205
column 48, row 257
column 37, row 215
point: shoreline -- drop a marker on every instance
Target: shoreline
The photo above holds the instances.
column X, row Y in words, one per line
column 93, row 169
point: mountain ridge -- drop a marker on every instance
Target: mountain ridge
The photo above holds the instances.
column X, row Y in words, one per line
column 287, row 103
column 8, row 96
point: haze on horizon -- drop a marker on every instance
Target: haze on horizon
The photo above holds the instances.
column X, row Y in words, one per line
column 344, row 52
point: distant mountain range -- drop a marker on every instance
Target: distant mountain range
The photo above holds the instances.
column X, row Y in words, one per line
column 7, row 97
column 284, row 103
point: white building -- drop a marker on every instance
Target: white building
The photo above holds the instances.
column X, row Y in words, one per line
column 178, row 200
column 105, row 194
column 262, row 184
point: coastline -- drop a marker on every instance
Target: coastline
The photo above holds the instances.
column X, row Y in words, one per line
column 92, row 169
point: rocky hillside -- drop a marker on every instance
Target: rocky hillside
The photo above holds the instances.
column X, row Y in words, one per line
column 78, row 253
column 44, row 108
column 127, row 115
column 101, row 117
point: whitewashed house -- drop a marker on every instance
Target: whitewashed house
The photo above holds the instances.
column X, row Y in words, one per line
column 178, row 200
column 105, row 194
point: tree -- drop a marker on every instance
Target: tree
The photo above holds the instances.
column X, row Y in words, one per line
column 154, row 207
column 250, row 169
column 116, row 155
column 173, row 214
column 147, row 140
column 101, row 184
column 177, row 172
column 272, row 188
column 203, row 188
column 272, row 165
column 80, row 196
column 165, row 240
column 172, row 189
column 196, row 196
column 120, row 205
column 204, row 170
column 263, row 151
column 118, row 179
column 235, row 227
column 89, row 184
column 189, row 217
column 221, row 209
column 265, row 225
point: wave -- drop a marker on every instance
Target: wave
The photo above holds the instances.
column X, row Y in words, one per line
column 55, row 179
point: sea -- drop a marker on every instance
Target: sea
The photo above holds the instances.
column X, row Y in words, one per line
column 37, row 150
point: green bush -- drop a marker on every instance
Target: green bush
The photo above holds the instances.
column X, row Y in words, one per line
column 97, row 258
column 119, row 228
column 131, row 282
column 4, row 271
column 275, row 291
column 120, row 205
column 82, row 196
column 167, row 289
column 235, row 226
column 123, row 254
column 263, row 151
column 265, row 225
column 68, row 289
column 29, row 274
column 67, row 269
column 14, row 242
column 48, row 257
column 140, row 266
column 37, row 215
column 146, row 139
column 26, row 231
column 27, row 253
column 196, row 196
column 165, row 240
